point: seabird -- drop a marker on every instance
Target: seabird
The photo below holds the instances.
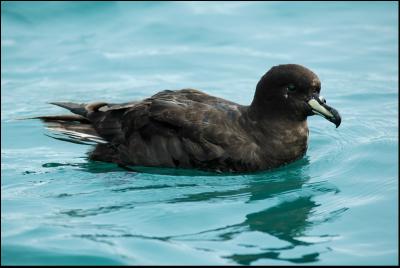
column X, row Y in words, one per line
column 190, row 129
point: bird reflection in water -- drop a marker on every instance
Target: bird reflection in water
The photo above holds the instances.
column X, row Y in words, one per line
column 289, row 220
column 289, row 213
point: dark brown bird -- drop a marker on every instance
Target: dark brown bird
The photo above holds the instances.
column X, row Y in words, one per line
column 191, row 129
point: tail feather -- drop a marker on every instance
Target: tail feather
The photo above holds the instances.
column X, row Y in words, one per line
column 75, row 136
column 68, row 118
column 73, row 128
column 76, row 128
column 62, row 137
column 77, row 131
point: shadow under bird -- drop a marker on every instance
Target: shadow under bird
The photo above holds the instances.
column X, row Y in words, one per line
column 191, row 129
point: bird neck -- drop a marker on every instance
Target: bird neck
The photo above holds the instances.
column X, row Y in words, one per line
column 285, row 137
column 269, row 112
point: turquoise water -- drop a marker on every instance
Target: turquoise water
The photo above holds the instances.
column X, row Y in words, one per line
column 337, row 205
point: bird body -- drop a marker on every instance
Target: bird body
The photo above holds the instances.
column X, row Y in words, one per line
column 191, row 129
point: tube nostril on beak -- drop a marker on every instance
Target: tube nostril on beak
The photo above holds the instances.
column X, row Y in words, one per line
column 322, row 99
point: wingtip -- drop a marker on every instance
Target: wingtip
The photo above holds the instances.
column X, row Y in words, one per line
column 76, row 108
column 63, row 104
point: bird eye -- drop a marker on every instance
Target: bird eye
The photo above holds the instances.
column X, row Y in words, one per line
column 291, row 88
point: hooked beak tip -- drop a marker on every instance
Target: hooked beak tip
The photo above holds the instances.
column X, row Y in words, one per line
column 338, row 120
column 338, row 124
column 321, row 108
